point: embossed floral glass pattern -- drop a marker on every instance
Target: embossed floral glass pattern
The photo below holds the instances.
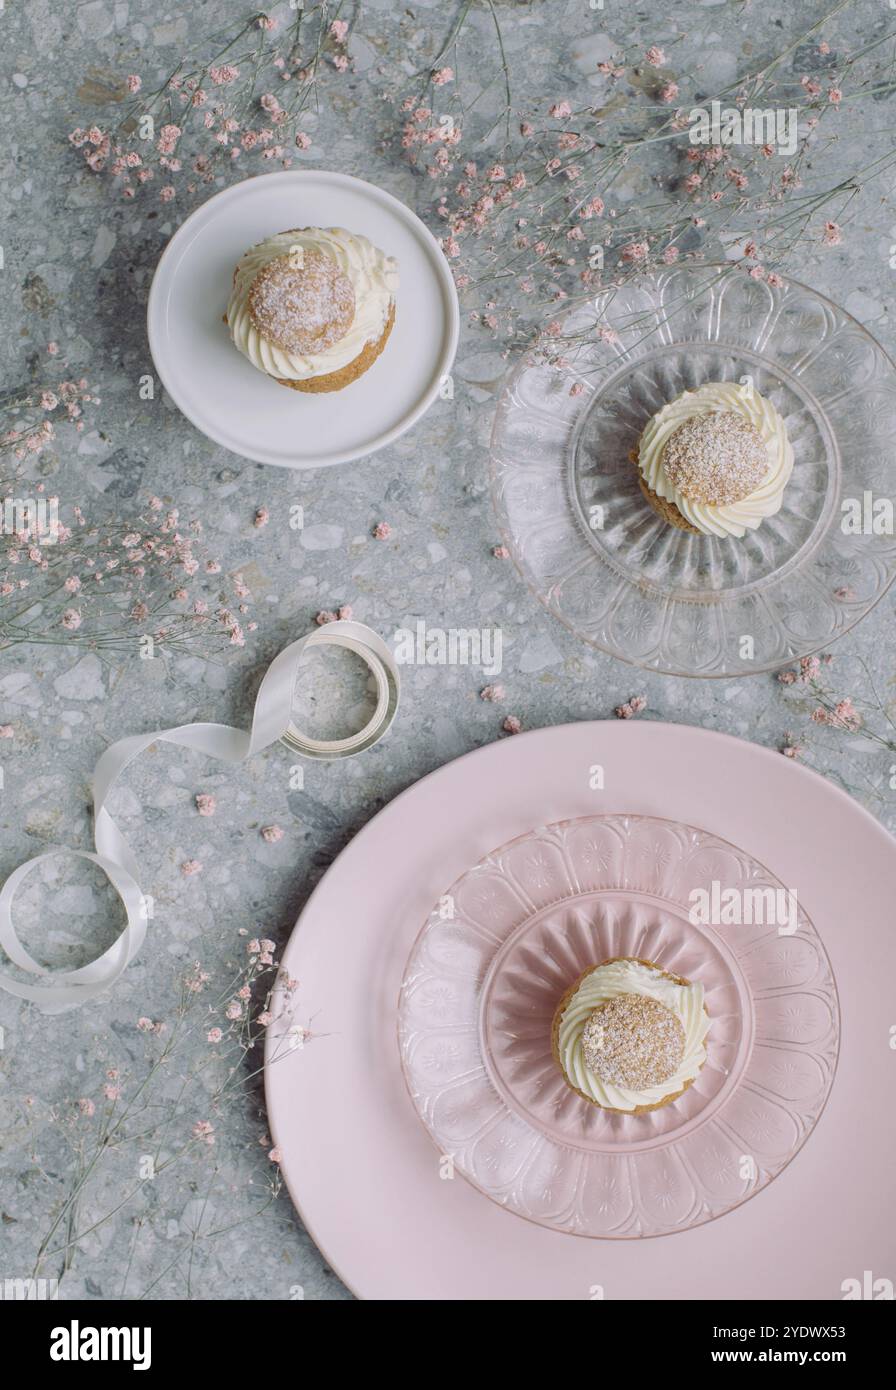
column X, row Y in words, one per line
column 591, row 549
column 483, row 981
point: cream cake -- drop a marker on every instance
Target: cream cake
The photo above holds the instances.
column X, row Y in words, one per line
column 715, row 461
column 628, row 1036
column 313, row 307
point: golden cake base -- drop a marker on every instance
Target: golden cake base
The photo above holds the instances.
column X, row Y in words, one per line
column 334, row 381
column 666, row 510
column 555, row 1037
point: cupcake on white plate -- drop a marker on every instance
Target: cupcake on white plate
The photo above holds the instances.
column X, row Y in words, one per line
column 313, row 307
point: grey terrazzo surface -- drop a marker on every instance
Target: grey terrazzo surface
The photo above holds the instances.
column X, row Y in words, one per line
column 77, row 270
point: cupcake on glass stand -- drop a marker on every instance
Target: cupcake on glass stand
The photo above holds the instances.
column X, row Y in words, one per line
column 629, row 1036
column 715, row 461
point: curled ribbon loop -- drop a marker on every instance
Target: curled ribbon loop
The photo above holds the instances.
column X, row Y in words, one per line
column 271, row 720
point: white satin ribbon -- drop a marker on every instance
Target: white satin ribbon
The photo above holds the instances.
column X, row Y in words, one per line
column 271, row 720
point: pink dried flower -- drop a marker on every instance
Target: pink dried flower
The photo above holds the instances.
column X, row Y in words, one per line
column 206, row 804
column 204, row 1131
column 134, row 83
column 168, row 138
column 224, row 75
column 790, row 748
column 214, row 1035
column 338, row 30
column 71, row 619
column 6, row 731
column 512, row 725
column 832, row 234
column 501, row 552
column 669, row 92
column 325, row 616
column 303, row 141
column 443, row 75
column 86, row 1106
column 345, row 613
column 190, row 867
column 632, row 707
column 271, row 833
column 846, row 716
column 493, row 693
column 382, row 531
column 634, row 251
column 262, row 517
column 275, row 1154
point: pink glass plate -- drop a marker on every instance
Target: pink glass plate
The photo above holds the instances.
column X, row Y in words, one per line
column 479, row 993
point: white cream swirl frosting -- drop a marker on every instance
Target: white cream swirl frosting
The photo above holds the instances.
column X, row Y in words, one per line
column 374, row 279
column 733, row 518
column 606, row 982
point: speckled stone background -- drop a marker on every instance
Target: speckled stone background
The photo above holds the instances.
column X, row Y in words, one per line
column 77, row 269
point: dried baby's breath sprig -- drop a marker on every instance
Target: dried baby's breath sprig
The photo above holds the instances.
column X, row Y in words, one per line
column 868, row 719
column 242, row 96
column 30, row 415
column 159, row 1120
column 136, row 587
column 545, row 219
column 142, row 584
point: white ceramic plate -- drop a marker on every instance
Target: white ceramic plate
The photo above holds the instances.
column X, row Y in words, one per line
column 233, row 403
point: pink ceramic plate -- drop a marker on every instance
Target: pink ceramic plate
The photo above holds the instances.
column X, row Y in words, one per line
column 510, row 937
column 372, row 1190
